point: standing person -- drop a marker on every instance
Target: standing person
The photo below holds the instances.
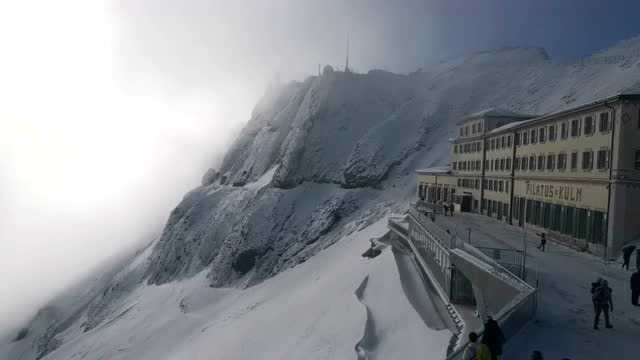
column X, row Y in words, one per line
column 638, row 259
column 543, row 241
column 476, row 350
column 493, row 337
column 627, row 251
column 603, row 303
column 635, row 287
column 594, row 286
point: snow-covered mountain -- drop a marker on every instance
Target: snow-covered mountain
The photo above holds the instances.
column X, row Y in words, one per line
column 319, row 162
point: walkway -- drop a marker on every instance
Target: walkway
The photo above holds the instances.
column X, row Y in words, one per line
column 565, row 318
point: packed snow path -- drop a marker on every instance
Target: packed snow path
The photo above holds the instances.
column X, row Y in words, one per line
column 564, row 323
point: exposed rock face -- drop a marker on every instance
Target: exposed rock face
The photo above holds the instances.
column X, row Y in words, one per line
column 316, row 152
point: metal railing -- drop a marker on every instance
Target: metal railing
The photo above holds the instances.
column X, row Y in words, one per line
column 511, row 259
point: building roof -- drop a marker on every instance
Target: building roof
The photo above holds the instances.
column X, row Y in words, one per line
column 629, row 95
column 436, row 170
column 509, row 126
column 495, row 113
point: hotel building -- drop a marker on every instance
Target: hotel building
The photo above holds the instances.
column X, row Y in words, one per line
column 574, row 173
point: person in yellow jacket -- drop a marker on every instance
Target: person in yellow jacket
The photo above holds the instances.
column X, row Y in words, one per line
column 476, row 350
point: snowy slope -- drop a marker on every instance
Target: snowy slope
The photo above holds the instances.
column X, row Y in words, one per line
column 318, row 161
column 310, row 311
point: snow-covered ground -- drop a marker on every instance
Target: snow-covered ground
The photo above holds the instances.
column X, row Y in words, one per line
column 311, row 311
column 274, row 230
column 564, row 323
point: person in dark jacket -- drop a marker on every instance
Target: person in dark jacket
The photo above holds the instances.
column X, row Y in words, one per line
column 627, row 251
column 635, row 287
column 594, row 287
column 603, row 303
column 638, row 259
column 493, row 337
column 543, row 241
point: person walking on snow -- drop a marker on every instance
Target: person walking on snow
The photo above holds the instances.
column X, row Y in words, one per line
column 635, row 287
column 627, row 251
column 603, row 303
column 543, row 241
column 476, row 350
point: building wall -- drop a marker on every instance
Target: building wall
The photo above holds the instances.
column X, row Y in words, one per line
column 567, row 190
column 625, row 190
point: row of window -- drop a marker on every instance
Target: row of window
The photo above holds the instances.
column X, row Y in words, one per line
column 576, row 222
column 489, row 184
column 573, row 128
column 542, row 162
column 560, row 162
column 496, row 185
column 498, row 143
column 472, row 129
column 470, row 147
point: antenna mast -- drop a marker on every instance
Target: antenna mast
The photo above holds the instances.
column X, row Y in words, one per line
column 346, row 66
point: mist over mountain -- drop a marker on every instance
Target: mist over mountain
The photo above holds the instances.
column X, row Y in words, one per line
column 318, row 161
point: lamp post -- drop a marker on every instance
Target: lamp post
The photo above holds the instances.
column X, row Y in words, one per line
column 524, row 237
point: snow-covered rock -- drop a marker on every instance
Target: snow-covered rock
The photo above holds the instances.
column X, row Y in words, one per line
column 317, row 161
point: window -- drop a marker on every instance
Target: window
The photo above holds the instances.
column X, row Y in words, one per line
column 480, row 126
column 493, row 144
column 459, row 182
column 574, row 160
column 551, row 162
column 455, row 149
column 506, row 186
column 552, row 133
column 502, row 164
column 603, row 159
column 516, row 139
column 466, row 130
column 587, row 160
column 509, row 141
column 532, row 163
column 564, row 130
column 540, row 162
column 575, row 128
column 588, row 125
column 492, row 163
column 473, row 128
column 562, row 161
column 524, row 163
column 502, row 142
column 543, row 135
column 534, row 136
column 525, row 138
column 508, row 164
column 453, row 165
column 637, row 162
column 605, row 124
column 516, row 164
column 461, row 131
